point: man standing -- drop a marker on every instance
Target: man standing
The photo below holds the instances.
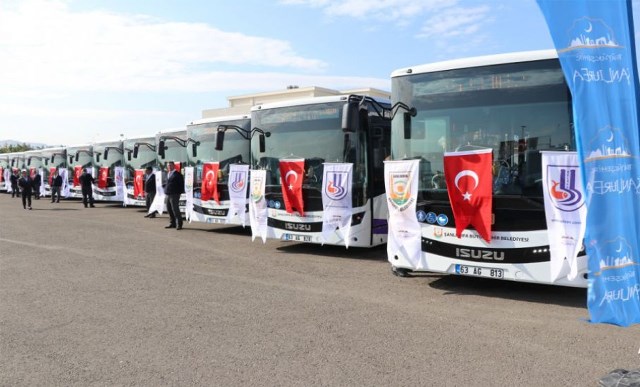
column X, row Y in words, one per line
column 14, row 183
column 86, row 182
column 173, row 189
column 56, row 185
column 149, row 190
column 37, row 181
column 26, row 185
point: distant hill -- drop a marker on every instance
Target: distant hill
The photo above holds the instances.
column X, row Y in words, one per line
column 4, row 143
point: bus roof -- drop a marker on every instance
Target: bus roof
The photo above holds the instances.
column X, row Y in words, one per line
column 309, row 101
column 220, row 119
column 487, row 60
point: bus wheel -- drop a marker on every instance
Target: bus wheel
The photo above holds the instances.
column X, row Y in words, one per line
column 399, row 272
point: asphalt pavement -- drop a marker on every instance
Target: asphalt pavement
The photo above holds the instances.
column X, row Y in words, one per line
column 105, row 297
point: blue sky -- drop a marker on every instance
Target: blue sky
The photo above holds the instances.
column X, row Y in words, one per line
column 78, row 71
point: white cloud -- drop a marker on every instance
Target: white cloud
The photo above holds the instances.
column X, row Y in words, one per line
column 44, row 46
column 392, row 10
column 455, row 22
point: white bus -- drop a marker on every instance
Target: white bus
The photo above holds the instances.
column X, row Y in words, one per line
column 139, row 153
column 106, row 157
column 516, row 104
column 344, row 129
column 233, row 147
column 5, row 165
column 78, row 158
column 54, row 159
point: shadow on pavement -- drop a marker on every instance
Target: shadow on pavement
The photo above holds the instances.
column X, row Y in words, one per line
column 520, row 291
column 373, row 253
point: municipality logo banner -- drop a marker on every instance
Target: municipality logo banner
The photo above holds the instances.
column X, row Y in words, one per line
column 595, row 45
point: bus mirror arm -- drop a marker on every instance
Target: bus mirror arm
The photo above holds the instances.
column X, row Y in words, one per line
column 262, row 135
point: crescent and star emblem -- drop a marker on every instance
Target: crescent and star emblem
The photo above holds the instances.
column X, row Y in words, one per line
column 473, row 175
column 295, row 178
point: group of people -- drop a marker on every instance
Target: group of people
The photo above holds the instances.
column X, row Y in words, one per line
column 173, row 188
column 25, row 186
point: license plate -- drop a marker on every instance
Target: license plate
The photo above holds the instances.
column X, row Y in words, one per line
column 296, row 237
column 476, row 271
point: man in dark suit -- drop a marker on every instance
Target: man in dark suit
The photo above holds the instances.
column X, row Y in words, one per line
column 56, row 186
column 173, row 189
column 37, row 181
column 26, row 185
column 86, row 182
column 149, row 190
column 13, row 179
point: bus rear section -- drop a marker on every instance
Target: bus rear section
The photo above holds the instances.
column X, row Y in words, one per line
column 514, row 104
column 317, row 133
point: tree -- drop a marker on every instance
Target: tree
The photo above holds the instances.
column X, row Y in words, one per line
column 15, row 148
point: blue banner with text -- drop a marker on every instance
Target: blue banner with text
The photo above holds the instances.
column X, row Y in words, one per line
column 595, row 44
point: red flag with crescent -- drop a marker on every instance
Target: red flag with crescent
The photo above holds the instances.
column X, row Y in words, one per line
column 291, row 176
column 178, row 165
column 77, row 171
column 32, row 172
column 469, row 185
column 209, row 187
column 138, row 183
column 1, row 174
column 103, row 174
column 51, row 172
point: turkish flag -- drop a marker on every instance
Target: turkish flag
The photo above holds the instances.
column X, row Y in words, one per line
column 1, row 174
column 138, row 183
column 51, row 172
column 103, row 174
column 209, row 187
column 77, row 171
column 469, row 185
column 177, row 164
column 32, row 172
column 291, row 176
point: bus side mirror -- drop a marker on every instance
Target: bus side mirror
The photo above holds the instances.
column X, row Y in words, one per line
column 128, row 155
column 161, row 149
column 194, row 149
column 135, row 151
column 261, row 143
column 70, row 159
column 219, row 140
column 52, row 158
column 350, row 117
column 407, row 125
column 29, row 160
column 106, row 154
column 97, row 157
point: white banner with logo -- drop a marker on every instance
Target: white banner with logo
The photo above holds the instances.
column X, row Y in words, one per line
column 258, row 204
column 401, row 185
column 237, row 184
column 121, row 189
column 7, row 179
column 65, row 190
column 41, row 173
column 158, row 200
column 336, row 200
column 188, row 192
column 565, row 211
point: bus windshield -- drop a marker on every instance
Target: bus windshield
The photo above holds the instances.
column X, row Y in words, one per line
column 515, row 109
column 310, row 132
column 146, row 155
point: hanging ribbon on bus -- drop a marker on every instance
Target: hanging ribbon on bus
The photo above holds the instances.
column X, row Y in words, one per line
column 401, row 186
column 565, row 212
column 65, row 190
column 595, row 44
column 336, row 200
column 258, row 204
column 237, row 185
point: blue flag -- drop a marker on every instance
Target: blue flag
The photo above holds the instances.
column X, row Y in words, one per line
column 595, row 44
